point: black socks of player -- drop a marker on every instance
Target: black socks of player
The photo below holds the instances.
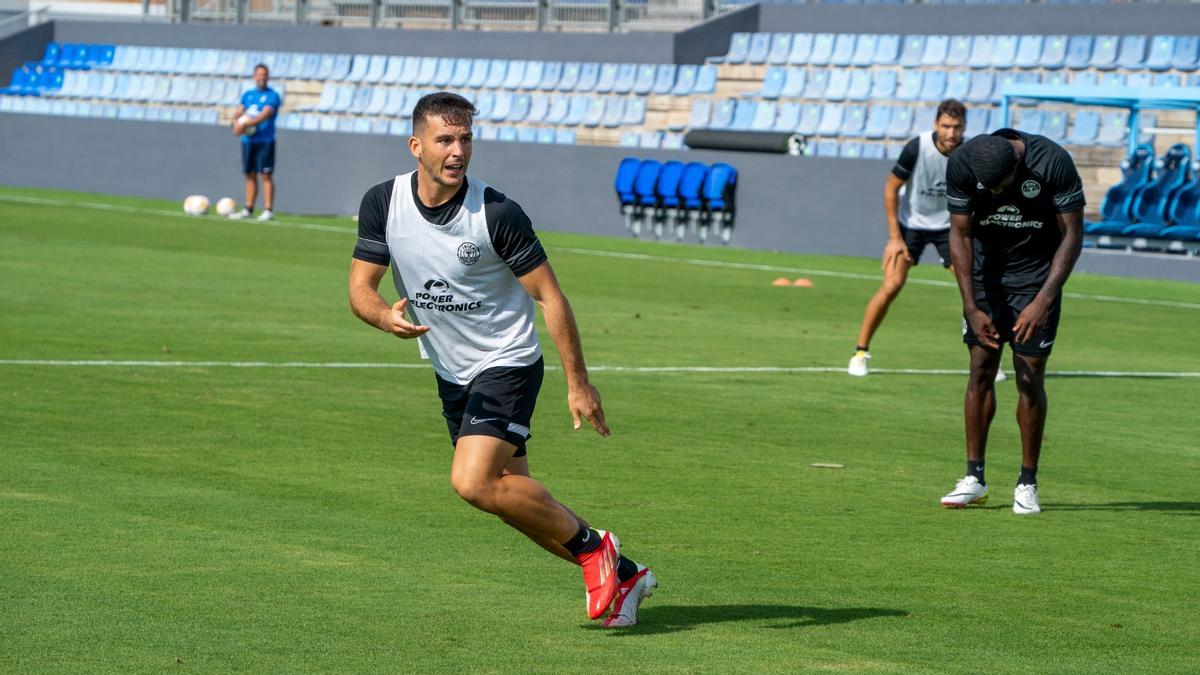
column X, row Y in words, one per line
column 861, row 348
column 626, row 568
column 584, row 541
column 1028, row 476
column 976, row 469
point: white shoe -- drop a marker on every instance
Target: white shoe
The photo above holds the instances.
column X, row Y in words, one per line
column 265, row 215
column 630, row 595
column 967, row 491
column 239, row 215
column 1000, row 376
column 858, row 363
column 1025, row 500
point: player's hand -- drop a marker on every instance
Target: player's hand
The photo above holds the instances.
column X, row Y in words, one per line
column 895, row 251
column 237, row 128
column 584, row 403
column 395, row 323
column 1031, row 321
column 985, row 331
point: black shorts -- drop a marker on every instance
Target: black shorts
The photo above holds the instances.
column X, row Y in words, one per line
column 258, row 157
column 1004, row 308
column 498, row 403
column 916, row 240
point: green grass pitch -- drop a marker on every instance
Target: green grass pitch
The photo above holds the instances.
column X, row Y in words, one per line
column 215, row 518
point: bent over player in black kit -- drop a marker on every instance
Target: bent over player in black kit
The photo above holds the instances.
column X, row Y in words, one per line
column 468, row 269
column 1016, row 216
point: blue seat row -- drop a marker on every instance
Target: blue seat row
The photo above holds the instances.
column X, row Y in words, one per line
column 67, row 108
column 676, row 198
column 651, row 140
column 1155, row 201
column 403, row 127
column 1104, row 52
column 828, row 119
column 78, row 55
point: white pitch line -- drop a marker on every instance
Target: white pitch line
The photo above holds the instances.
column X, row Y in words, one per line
column 784, row 370
column 47, row 201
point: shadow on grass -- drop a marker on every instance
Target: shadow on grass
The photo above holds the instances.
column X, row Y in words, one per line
column 1178, row 508
column 654, row 619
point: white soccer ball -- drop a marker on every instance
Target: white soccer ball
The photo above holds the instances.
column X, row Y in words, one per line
column 195, row 205
column 226, row 206
column 247, row 129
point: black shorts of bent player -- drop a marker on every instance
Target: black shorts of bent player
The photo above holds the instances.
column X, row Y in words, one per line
column 499, row 403
column 917, row 240
column 1004, row 309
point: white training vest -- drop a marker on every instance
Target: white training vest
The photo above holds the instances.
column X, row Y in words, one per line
column 923, row 204
column 479, row 315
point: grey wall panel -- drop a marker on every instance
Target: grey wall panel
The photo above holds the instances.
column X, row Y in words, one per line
column 812, row 205
column 28, row 45
column 620, row 48
column 711, row 38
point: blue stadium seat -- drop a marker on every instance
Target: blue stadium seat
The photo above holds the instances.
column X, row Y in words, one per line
column 923, row 118
column 1151, row 205
column 839, row 84
column 1104, row 52
column 739, row 48
column 645, row 183
column 773, row 82
column 887, row 50
column 958, row 53
column 569, row 77
column 394, row 105
column 52, row 54
column 607, row 78
column 787, row 118
column 760, row 45
column 497, row 72
column 377, row 66
column 884, row 84
column 781, row 46
column 667, row 191
column 1004, row 52
column 485, row 102
column 1057, row 78
column 827, row 148
column 937, row 48
column 818, row 82
column 411, row 65
column 564, row 137
column 873, row 151
column 515, row 75
column 526, row 135
column 534, row 71
column 854, row 120
column 459, row 76
column 1029, row 51
column 958, row 85
column 793, row 85
column 1054, row 126
column 764, row 116
column 1185, row 211
column 912, row 50
column 722, row 115
column 362, row 98
column 626, row 74
column 427, row 69
column 1162, row 50
column 1086, row 128
column 539, row 107
column 901, row 124
column 1110, row 79
column 878, row 119
column 519, row 111
column 635, row 112
column 1114, row 127
column 442, row 73
column 545, row 135
column 810, row 119
column 822, row 49
column 614, row 110
column 595, row 111
column 1085, row 79
column 706, row 80
column 851, row 150
column 831, row 119
column 691, row 183
column 507, row 134
column 979, row 121
column 860, row 85
column 559, row 109
column 589, row 75
column 843, row 49
column 358, row 69
column 643, row 79
column 1133, row 52
column 1187, row 51
column 934, row 85
column 551, row 75
column 685, row 80
column 802, row 44
column 1139, row 80
column 718, row 194
column 864, row 50
column 910, row 85
column 664, row 78
column 981, row 51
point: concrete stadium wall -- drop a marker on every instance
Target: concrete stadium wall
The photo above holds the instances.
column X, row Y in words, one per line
column 809, row 205
column 27, row 45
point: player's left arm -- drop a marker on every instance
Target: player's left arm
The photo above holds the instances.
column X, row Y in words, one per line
column 582, row 398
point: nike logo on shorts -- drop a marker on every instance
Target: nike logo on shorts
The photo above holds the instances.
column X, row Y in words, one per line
column 476, row 420
column 1045, row 344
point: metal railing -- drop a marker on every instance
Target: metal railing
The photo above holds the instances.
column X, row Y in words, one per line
column 19, row 22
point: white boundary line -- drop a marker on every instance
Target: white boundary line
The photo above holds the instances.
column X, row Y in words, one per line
column 336, row 365
column 600, row 253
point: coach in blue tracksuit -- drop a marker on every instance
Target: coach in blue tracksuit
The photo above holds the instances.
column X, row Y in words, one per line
column 258, row 109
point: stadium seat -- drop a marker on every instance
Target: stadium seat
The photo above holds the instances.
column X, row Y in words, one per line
column 912, row 50
column 883, row 86
column 827, row 148
column 851, row 150
column 981, row 51
column 958, row 85
column 1086, row 128
column 739, row 48
column 487, row 132
column 643, row 78
column 701, row 114
column 854, row 121
column 545, row 135
column 1133, row 52
column 626, row 76
column 376, row 66
column 650, row 139
column 873, row 151
column 839, row 84
column 1151, row 205
column 1054, row 126
column 831, row 119
column 1162, row 50
column 515, row 75
column 722, row 115
column 667, row 190
column 645, row 193
column 909, row 88
column 460, row 74
column 802, row 44
column 923, row 118
column 810, row 119
column 534, row 71
column 506, row 134
column 822, row 49
column 685, row 80
column 1057, row 78
column 394, row 106
column 497, row 72
column 606, row 79
column 958, row 51
column 559, row 108
column 781, row 45
column 793, row 85
column 818, row 82
column 358, row 69
column 1187, row 50
column 860, row 85
column 706, row 80
column 443, row 72
column 787, row 118
column 1168, row 80
column 887, row 50
column 485, row 103
column 1114, row 127
column 1139, row 80
column 760, row 45
column 635, row 112
column 552, row 73
column 589, row 76
column 718, row 192
column 1116, row 210
column 937, row 48
column 539, row 105
column 690, row 185
column 1104, row 52
column 614, row 109
column 664, row 78
column 864, row 50
column 1112, row 79
column 427, row 69
column 754, row 116
column 1029, row 51
column 1185, row 211
column 934, row 86
column 901, row 124
column 1004, row 51
column 520, row 106
column 843, row 49
column 596, row 107
column 773, row 82
column 411, row 66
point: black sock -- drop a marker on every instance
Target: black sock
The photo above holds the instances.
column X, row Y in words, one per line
column 861, row 348
column 584, row 541
column 976, row 469
column 626, row 568
column 1028, row 476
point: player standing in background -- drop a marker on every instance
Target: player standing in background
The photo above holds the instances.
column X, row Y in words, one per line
column 1016, row 204
column 468, row 269
column 916, row 218
column 260, row 105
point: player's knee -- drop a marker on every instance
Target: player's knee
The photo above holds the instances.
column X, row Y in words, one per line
column 1030, row 384
column 891, row 289
column 475, row 492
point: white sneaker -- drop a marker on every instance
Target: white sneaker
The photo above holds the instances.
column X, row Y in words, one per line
column 630, row 595
column 1000, row 376
column 1025, row 500
column 858, row 363
column 967, row 491
column 266, row 215
column 238, row 215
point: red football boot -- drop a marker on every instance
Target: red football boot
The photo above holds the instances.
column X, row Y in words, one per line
column 600, row 574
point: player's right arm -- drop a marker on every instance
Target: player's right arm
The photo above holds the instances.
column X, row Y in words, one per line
column 370, row 263
column 237, row 114
column 896, row 248
column 960, row 182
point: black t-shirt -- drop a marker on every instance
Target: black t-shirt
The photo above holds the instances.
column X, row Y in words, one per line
column 1016, row 233
column 510, row 229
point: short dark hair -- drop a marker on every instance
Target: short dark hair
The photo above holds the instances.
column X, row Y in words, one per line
column 991, row 158
column 452, row 108
column 953, row 108
column 263, row 66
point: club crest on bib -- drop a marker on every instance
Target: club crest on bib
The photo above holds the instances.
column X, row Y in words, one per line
column 468, row 253
column 1031, row 189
